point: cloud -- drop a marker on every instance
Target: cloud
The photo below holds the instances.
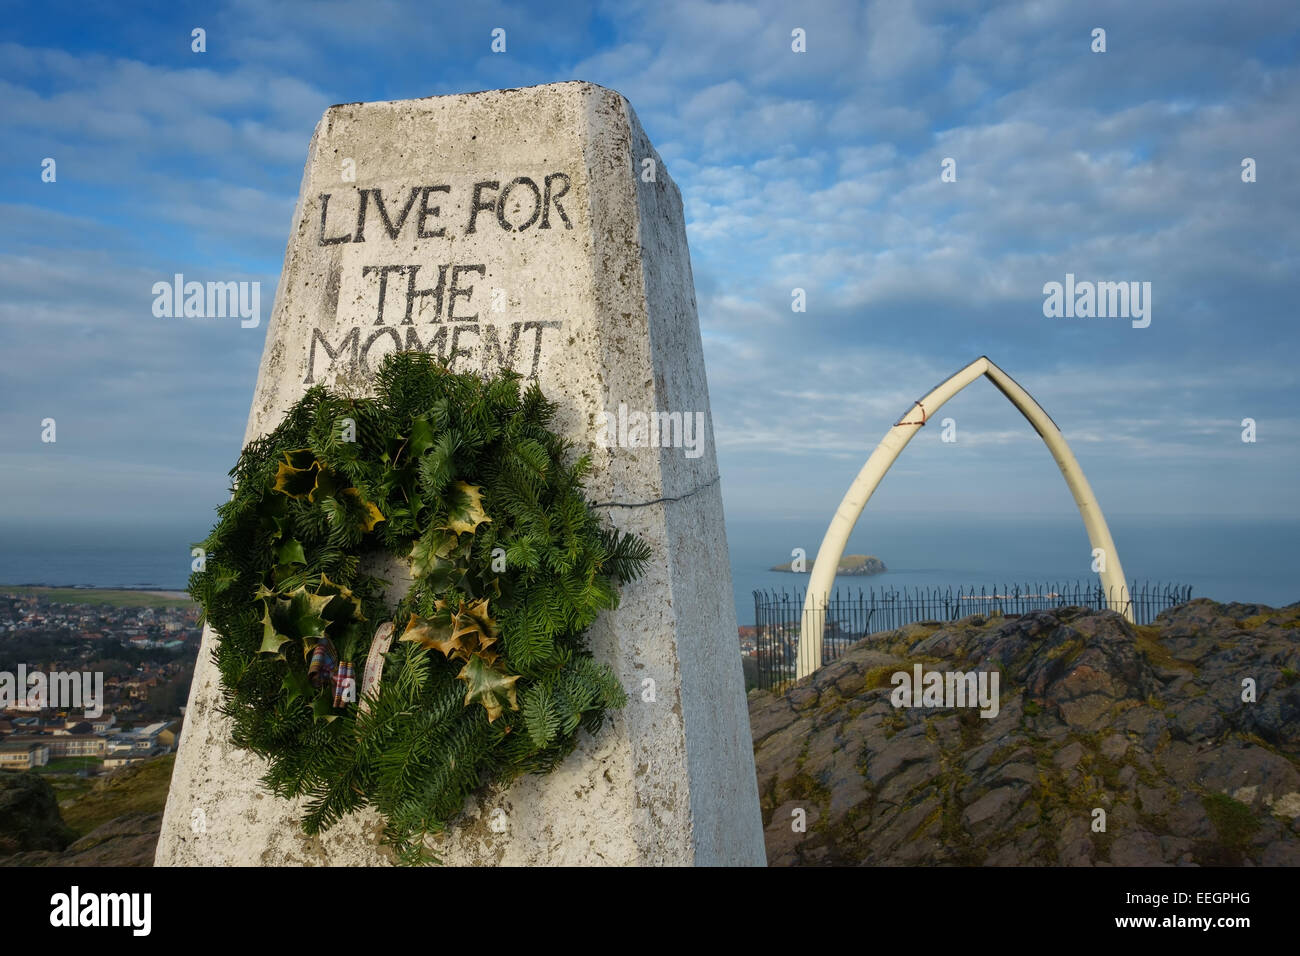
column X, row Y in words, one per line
column 818, row 171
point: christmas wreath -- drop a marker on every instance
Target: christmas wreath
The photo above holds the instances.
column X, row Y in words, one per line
column 482, row 672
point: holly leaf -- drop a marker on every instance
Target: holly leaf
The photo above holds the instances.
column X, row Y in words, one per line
column 433, row 559
column 272, row 640
column 290, row 552
column 296, row 475
column 322, row 707
column 371, row 515
column 431, row 633
column 300, row 615
column 423, row 552
column 326, row 485
column 465, row 510
column 296, row 684
column 301, row 458
column 343, row 604
column 474, row 629
column 271, row 515
column 393, row 448
column 334, row 589
column 421, row 437
column 489, row 686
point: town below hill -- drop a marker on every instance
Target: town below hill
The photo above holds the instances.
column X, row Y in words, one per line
column 83, row 782
column 92, row 680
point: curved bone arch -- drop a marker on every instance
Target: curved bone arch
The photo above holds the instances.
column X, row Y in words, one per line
column 895, row 440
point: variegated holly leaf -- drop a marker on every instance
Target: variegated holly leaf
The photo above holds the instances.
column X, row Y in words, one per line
column 343, row 603
column 465, row 508
column 488, row 685
column 301, row 457
column 440, row 544
column 474, row 628
column 431, row 633
column 438, row 560
column 296, row 475
column 371, row 515
column 327, row 484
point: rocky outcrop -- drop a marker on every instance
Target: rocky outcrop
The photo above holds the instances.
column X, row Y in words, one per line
column 1147, row 724
column 29, row 815
column 120, row 817
column 126, row 841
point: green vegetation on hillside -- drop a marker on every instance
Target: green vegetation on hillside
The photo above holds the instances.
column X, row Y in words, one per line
column 70, row 764
column 111, row 596
column 140, row 789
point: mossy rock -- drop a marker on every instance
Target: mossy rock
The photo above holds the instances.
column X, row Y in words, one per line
column 29, row 815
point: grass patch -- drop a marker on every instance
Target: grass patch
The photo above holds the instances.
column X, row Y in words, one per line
column 968, row 722
column 141, row 789
column 1234, row 821
column 1277, row 618
column 1108, row 770
column 111, row 596
column 1000, row 755
column 71, row 764
column 1149, row 646
column 892, row 723
column 879, row 677
column 1069, row 650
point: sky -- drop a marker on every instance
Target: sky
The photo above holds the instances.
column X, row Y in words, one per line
column 819, row 171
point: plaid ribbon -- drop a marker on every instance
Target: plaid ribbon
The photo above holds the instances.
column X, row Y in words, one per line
column 321, row 662
column 345, row 685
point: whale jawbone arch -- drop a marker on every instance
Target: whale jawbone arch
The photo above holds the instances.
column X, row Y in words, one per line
column 895, row 440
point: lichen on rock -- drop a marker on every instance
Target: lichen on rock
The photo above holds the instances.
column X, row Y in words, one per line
column 1151, row 725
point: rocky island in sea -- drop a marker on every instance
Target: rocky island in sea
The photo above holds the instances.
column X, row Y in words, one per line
column 849, row 564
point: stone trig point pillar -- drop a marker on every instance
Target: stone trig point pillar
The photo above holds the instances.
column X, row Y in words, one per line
column 535, row 229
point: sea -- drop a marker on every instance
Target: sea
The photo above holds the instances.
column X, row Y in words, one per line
column 1253, row 560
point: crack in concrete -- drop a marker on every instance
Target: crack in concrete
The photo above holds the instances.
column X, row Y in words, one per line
column 657, row 501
